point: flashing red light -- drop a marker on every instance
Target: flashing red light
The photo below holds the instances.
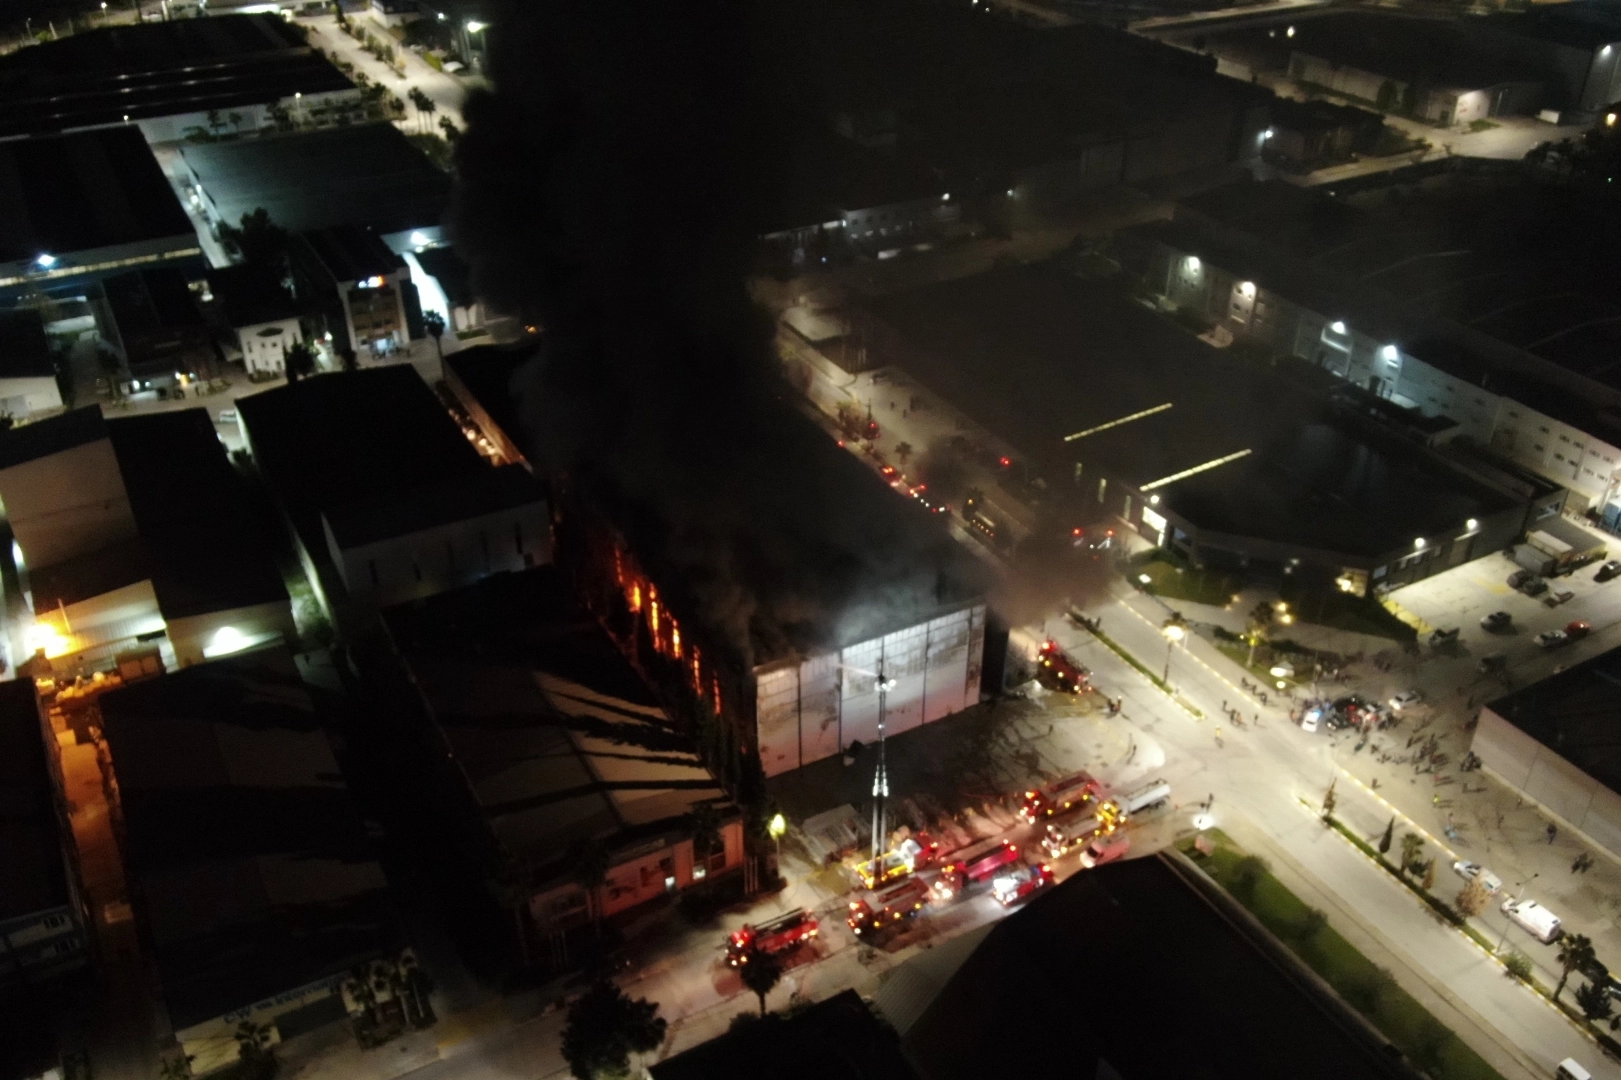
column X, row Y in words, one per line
column 841, row 444
column 1077, row 531
column 1006, row 462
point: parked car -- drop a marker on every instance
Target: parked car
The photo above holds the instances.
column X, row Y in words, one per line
column 1578, row 629
column 1535, row 919
column 1552, row 639
column 1558, row 595
column 1608, row 570
column 227, row 416
column 1439, row 638
column 1470, row 871
column 1493, row 662
column 1497, row 622
column 1569, row 1069
column 1406, row 700
column 1519, row 577
column 1534, row 586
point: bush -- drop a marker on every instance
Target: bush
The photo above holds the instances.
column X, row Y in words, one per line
column 1518, row 965
column 1248, row 873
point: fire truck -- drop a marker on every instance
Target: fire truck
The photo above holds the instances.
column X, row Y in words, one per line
column 1059, row 796
column 1093, row 819
column 780, row 935
column 975, row 864
column 881, row 910
column 913, row 854
column 1056, row 670
column 1009, row 889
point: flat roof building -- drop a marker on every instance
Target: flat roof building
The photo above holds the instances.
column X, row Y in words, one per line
column 135, row 532
column 42, row 931
column 364, row 174
column 1200, row 451
column 253, row 881
column 260, row 316
column 361, row 286
column 555, row 741
column 86, row 205
column 28, row 377
column 1555, row 742
column 163, row 77
column 1143, row 927
column 383, row 492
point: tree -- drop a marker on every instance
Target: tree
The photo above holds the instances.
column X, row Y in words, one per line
column 1575, row 953
column 347, row 359
column 452, row 132
column 215, row 122
column 1329, row 802
column 902, row 452
column 1384, row 841
column 1594, row 1001
column 423, row 103
column 1258, row 626
column 1429, row 874
column 434, row 324
column 1412, row 845
column 177, row 1068
column 299, row 361
column 259, row 241
column 761, row 974
column 605, row 1027
column 236, row 121
column 1471, row 899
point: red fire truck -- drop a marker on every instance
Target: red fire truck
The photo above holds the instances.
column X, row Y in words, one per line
column 1009, row 889
column 1059, row 797
column 1057, row 671
column 875, row 912
column 777, row 936
column 974, row 864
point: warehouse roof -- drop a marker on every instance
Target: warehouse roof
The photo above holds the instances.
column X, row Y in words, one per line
column 365, row 174
column 1576, row 713
column 1588, row 24
column 29, row 442
column 251, row 863
column 451, row 272
column 1431, row 52
column 30, row 830
column 66, row 194
column 370, row 520
column 148, row 301
column 558, row 736
column 1144, row 931
column 334, row 441
column 1036, row 354
column 203, row 548
column 103, row 75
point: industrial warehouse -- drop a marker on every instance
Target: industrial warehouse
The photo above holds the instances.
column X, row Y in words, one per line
column 893, row 598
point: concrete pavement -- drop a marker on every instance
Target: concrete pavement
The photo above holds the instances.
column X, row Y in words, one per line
column 446, row 91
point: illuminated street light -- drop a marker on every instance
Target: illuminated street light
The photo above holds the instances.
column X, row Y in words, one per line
column 1175, row 629
column 476, row 27
column 776, row 827
column 1145, row 579
column 1419, row 543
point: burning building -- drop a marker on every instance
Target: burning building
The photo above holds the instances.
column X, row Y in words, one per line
column 773, row 649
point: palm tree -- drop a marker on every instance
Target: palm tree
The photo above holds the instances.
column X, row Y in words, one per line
column 434, row 324
column 299, row 361
column 1260, row 623
column 902, row 452
column 590, row 861
column 421, row 101
column 1575, row 953
column 761, row 974
column 452, row 132
column 1594, row 1001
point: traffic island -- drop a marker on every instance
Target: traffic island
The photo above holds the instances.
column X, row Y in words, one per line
column 1369, row 989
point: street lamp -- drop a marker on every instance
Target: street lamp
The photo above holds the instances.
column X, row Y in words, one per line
column 1175, row 629
column 1510, row 922
column 776, row 827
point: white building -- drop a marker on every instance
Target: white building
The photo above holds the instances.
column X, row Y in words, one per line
column 261, row 318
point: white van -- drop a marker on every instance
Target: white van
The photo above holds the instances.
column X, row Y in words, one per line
column 1537, row 920
column 1569, row 1070
column 1149, row 795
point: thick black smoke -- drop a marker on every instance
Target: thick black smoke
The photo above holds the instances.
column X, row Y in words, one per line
column 610, row 189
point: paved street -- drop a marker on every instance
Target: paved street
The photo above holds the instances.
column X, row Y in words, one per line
column 447, row 91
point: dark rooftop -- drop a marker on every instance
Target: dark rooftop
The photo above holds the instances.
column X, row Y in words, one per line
column 836, row 1039
column 148, row 301
column 1293, row 114
column 366, row 521
column 332, row 441
column 250, row 295
column 43, row 438
column 251, row 864
column 67, row 194
column 1140, row 930
column 1036, row 354
column 35, row 877
column 25, row 353
column 558, row 736
column 350, row 253
column 101, row 75
column 1432, row 52
column 1584, row 24
column 487, row 372
column 364, row 174
column 205, row 551
column 1576, row 713
column 453, row 275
